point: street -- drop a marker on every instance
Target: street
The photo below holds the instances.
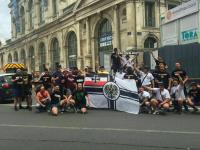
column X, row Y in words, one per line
column 99, row 129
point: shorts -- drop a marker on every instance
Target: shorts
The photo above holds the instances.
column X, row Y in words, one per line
column 27, row 92
column 196, row 101
column 159, row 102
column 18, row 92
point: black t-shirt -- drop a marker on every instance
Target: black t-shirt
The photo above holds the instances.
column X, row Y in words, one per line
column 56, row 97
column 195, row 94
column 60, row 77
column 162, row 77
column 116, row 61
column 18, row 83
column 79, row 79
column 27, row 78
column 181, row 72
column 46, row 80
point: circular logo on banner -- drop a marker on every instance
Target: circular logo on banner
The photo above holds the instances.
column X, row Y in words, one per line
column 169, row 15
column 111, row 91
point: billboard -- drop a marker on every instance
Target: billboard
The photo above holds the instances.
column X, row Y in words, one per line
column 181, row 11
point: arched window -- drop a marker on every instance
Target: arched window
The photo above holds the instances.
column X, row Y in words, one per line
column 9, row 58
column 150, row 42
column 72, row 49
column 22, row 16
column 15, row 56
column 42, row 11
column 23, row 56
column 31, row 13
column 105, row 43
column 42, row 55
column 55, row 53
column 55, row 9
column 32, row 59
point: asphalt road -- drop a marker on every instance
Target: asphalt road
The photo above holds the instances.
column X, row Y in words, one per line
column 99, row 129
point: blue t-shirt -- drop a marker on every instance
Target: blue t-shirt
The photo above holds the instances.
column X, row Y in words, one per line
column 59, row 75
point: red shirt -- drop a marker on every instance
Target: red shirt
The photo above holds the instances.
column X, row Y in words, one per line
column 42, row 95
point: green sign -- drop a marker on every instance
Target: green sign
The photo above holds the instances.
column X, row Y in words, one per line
column 189, row 35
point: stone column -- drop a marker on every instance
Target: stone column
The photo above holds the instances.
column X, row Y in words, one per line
column 37, row 57
column 79, row 57
column 116, row 27
column 131, row 24
column 27, row 18
column 88, row 36
column 88, row 56
column 50, row 11
column 93, row 42
column 37, row 14
column 62, row 49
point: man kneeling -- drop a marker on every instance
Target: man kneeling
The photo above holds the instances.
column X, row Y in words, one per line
column 80, row 98
column 67, row 101
column 161, row 100
column 43, row 99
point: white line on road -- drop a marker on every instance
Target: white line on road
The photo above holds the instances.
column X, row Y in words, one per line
column 102, row 129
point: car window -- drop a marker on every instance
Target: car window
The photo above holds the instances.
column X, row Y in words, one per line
column 8, row 78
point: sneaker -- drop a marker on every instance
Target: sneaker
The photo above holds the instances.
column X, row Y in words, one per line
column 15, row 108
column 195, row 110
column 21, row 107
column 155, row 112
column 62, row 110
column 30, row 108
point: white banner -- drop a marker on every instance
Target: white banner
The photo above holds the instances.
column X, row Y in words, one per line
column 181, row 11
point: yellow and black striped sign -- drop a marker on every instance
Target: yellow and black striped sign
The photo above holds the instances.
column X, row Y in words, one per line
column 13, row 66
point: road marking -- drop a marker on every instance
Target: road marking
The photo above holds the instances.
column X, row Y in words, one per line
column 102, row 129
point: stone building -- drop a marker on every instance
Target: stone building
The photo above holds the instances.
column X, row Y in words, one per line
column 80, row 32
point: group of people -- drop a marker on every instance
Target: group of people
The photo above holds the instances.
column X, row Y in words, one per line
column 54, row 92
column 158, row 89
column 63, row 89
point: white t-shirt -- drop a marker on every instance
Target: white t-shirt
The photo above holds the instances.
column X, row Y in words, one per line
column 148, row 78
column 161, row 95
column 178, row 91
column 144, row 95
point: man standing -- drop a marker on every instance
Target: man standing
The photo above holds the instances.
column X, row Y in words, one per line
column 178, row 71
column 27, row 88
column 17, row 80
column 161, row 75
column 115, row 61
column 146, row 77
column 46, row 80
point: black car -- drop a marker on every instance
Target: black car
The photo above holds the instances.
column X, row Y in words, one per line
column 6, row 92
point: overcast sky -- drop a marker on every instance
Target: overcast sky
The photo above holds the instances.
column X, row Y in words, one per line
column 5, row 23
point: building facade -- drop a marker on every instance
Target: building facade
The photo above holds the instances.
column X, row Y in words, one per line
column 80, row 32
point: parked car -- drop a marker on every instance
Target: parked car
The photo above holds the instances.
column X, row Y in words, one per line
column 6, row 92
